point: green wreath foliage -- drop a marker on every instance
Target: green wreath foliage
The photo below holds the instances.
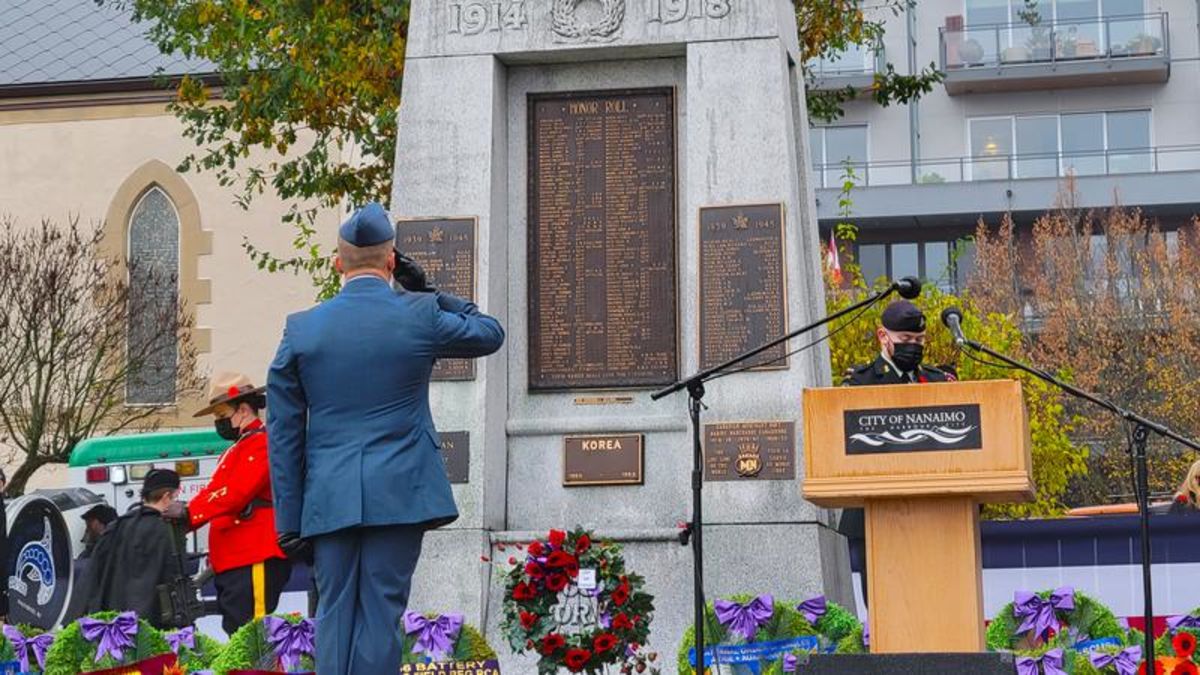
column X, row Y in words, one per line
column 1090, row 619
column 836, row 627
column 470, row 646
column 8, row 653
column 248, row 649
column 202, row 657
column 72, row 654
column 1165, row 646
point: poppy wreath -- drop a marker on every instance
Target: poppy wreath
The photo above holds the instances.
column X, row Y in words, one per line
column 277, row 643
column 24, row 648
column 196, row 651
column 1059, row 618
column 105, row 641
column 746, row 619
column 442, row 638
column 1181, row 636
column 532, row 588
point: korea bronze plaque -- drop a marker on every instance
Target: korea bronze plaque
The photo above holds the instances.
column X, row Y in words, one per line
column 743, row 293
column 456, row 453
column 613, row 459
column 750, row 451
column 445, row 248
column 602, row 305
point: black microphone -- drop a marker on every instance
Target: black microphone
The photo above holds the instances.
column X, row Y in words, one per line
column 952, row 318
column 907, row 287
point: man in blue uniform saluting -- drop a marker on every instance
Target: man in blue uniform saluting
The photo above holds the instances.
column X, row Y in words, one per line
column 356, row 469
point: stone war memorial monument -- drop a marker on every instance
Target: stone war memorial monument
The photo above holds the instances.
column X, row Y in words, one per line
column 624, row 184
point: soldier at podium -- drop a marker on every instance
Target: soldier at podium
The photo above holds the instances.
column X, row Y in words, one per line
column 901, row 349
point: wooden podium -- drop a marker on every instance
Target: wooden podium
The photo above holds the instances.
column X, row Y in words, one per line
column 920, row 459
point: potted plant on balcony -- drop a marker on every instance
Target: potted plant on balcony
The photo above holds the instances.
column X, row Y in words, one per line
column 971, row 52
column 1038, row 43
column 1143, row 44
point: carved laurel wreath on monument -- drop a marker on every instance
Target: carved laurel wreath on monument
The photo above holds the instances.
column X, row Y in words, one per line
column 568, row 26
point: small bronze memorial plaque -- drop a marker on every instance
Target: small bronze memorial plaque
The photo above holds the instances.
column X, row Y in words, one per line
column 611, row 459
column 750, row 451
column 445, row 248
column 456, row 452
column 601, row 286
column 743, row 293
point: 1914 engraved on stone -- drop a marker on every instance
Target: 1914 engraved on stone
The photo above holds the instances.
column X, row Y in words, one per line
column 674, row 11
column 569, row 25
column 445, row 248
column 472, row 17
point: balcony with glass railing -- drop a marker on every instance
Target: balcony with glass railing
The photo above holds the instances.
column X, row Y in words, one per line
column 855, row 67
column 1056, row 54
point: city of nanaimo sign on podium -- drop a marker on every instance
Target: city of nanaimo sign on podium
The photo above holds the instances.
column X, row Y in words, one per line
column 920, row 459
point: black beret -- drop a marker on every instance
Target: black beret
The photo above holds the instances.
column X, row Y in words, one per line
column 904, row 317
column 101, row 512
column 160, row 478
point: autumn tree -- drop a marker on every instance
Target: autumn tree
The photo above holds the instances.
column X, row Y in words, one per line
column 310, row 90
column 74, row 333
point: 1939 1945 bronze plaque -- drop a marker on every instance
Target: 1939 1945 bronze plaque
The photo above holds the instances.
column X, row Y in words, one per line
column 612, row 459
column 743, row 290
column 764, row 450
column 445, row 248
column 602, row 305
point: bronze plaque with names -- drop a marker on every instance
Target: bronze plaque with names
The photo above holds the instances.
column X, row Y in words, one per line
column 602, row 305
column 610, row 459
column 743, row 291
column 762, row 450
column 445, row 248
column 456, row 453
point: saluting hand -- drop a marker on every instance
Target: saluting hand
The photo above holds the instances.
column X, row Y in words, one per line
column 410, row 275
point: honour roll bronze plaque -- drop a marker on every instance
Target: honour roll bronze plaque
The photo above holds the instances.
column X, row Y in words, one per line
column 750, row 451
column 602, row 460
column 602, row 306
column 456, row 453
column 445, row 248
column 743, row 296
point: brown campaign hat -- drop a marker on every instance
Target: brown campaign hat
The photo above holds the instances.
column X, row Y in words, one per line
column 228, row 388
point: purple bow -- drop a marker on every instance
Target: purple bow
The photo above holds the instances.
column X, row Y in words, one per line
column 290, row 640
column 1183, row 621
column 435, row 636
column 40, row 644
column 1052, row 663
column 1126, row 662
column 114, row 637
column 813, row 609
column 745, row 620
column 790, row 663
column 1038, row 614
column 866, row 634
column 184, row 637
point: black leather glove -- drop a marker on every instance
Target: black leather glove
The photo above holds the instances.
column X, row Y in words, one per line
column 409, row 274
column 294, row 547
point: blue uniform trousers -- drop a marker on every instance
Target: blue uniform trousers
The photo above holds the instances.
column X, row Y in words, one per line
column 364, row 575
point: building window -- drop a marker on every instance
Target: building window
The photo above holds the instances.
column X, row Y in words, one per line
column 1022, row 31
column 153, row 256
column 944, row 264
column 836, row 148
column 1040, row 146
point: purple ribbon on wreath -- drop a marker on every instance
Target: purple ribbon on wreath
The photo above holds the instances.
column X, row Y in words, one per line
column 435, row 636
column 1174, row 623
column 790, row 663
column 1037, row 613
column 1051, row 661
column 40, row 644
column 1126, row 661
column 813, row 609
column 745, row 620
column 290, row 640
column 184, row 637
column 866, row 635
column 112, row 637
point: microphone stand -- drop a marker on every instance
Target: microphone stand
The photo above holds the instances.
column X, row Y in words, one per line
column 694, row 384
column 1139, row 432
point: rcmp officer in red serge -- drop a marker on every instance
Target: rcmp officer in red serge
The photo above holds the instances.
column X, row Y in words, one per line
column 251, row 570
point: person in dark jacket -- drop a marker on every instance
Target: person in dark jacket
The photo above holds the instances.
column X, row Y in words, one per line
column 95, row 520
column 138, row 553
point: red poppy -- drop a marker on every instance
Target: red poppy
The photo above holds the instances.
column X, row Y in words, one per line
column 535, row 548
column 560, row 559
column 512, row 560
column 557, row 537
column 577, row 659
column 1184, row 643
column 604, row 642
column 556, row 582
column 620, row 596
column 528, row 620
column 529, row 644
column 584, row 543
column 552, row 643
column 524, row 591
column 534, row 570
column 1159, row 668
column 572, row 570
column 484, row 558
column 1185, row 668
column 622, row 622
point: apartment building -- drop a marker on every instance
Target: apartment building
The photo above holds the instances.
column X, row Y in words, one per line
column 1105, row 90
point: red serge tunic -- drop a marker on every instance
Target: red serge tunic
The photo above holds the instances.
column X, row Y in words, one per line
column 242, row 478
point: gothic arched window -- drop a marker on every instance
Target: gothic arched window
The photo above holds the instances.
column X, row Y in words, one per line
column 153, row 257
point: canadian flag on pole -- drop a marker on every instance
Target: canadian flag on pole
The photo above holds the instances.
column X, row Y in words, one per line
column 832, row 259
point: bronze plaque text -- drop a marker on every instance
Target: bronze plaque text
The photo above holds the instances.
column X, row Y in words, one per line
column 750, row 451
column 602, row 460
column 602, row 240
column 743, row 298
column 445, row 248
column 456, row 452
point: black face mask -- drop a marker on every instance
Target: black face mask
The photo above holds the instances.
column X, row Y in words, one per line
column 907, row 356
column 226, row 430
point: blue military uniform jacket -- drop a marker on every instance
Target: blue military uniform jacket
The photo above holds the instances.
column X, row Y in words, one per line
column 352, row 441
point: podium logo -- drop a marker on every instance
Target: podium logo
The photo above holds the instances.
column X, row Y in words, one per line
column 923, row 429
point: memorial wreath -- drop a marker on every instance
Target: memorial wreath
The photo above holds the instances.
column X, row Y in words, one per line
column 568, row 26
column 24, row 648
column 571, row 600
column 1061, row 618
column 438, row 638
column 109, row 642
column 274, row 643
column 196, row 651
